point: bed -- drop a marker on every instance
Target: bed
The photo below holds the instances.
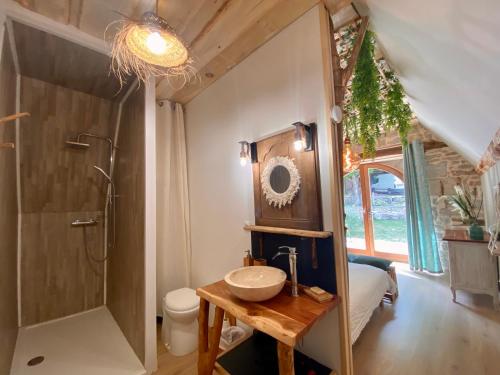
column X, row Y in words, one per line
column 367, row 288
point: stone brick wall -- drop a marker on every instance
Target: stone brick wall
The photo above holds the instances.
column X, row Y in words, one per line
column 445, row 168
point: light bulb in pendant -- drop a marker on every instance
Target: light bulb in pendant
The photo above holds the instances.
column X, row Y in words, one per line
column 156, row 44
column 351, row 160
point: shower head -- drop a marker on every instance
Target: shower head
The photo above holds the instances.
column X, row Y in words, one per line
column 104, row 174
column 79, row 145
column 76, row 143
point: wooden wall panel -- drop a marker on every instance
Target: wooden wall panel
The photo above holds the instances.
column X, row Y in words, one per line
column 55, row 177
column 305, row 210
column 8, row 214
column 57, row 278
column 126, row 278
column 58, row 185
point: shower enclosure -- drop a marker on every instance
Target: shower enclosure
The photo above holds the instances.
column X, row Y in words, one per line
column 78, row 299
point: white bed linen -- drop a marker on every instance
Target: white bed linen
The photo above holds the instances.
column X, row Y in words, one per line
column 367, row 286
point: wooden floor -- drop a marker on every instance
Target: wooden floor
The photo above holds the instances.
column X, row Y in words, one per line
column 171, row 365
column 426, row 333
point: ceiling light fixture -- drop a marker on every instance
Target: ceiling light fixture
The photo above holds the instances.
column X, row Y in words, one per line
column 149, row 47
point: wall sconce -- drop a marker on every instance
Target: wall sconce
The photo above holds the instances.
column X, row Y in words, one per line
column 244, row 152
column 303, row 137
column 350, row 159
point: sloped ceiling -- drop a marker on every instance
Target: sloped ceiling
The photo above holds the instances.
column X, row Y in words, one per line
column 447, row 55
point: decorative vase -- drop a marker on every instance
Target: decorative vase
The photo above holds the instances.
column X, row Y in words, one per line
column 476, row 232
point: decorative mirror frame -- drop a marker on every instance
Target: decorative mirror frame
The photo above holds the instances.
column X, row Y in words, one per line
column 280, row 199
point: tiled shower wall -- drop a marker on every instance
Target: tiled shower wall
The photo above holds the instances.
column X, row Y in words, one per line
column 8, row 213
column 126, row 273
column 59, row 185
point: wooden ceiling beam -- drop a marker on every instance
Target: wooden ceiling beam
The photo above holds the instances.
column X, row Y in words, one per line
column 346, row 75
column 74, row 12
column 398, row 150
column 240, row 28
column 190, row 17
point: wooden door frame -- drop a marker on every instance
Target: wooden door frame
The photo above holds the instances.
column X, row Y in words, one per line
column 367, row 205
column 334, row 150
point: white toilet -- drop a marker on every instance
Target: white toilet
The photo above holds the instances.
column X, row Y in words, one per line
column 179, row 330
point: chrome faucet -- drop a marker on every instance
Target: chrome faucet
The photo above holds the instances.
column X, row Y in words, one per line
column 292, row 258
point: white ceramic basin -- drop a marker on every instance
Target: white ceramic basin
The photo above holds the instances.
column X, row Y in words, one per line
column 255, row 284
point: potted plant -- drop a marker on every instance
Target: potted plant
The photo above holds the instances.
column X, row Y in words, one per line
column 469, row 204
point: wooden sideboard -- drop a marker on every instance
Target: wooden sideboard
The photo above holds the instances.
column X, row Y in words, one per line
column 472, row 267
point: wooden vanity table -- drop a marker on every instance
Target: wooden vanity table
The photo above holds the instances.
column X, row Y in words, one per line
column 283, row 317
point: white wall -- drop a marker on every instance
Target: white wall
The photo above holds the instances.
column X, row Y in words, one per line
column 280, row 83
column 446, row 54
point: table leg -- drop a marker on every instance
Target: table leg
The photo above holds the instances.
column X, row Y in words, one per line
column 231, row 319
column 285, row 359
column 208, row 345
column 203, row 336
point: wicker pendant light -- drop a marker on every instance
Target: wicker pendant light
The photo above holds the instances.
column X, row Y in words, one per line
column 155, row 43
column 150, row 47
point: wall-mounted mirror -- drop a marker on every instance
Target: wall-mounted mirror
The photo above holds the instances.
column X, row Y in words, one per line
column 280, row 181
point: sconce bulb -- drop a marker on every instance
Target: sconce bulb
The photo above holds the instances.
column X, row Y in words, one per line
column 298, row 144
column 243, row 161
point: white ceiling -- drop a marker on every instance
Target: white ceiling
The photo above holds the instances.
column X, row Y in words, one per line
column 447, row 54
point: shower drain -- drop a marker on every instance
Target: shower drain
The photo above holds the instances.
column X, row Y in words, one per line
column 36, row 360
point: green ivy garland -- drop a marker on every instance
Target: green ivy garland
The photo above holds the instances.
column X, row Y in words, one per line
column 376, row 104
column 397, row 112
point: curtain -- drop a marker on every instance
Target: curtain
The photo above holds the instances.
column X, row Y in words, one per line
column 423, row 253
column 173, row 249
column 489, row 180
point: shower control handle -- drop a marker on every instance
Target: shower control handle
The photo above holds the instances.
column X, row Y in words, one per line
column 80, row 223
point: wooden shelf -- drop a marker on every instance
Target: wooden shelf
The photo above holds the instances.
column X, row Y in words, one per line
column 7, row 145
column 288, row 231
column 13, row 117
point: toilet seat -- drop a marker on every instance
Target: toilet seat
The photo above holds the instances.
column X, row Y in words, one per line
column 184, row 299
